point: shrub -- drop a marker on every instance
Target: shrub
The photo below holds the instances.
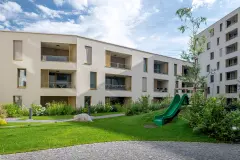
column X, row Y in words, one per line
column 144, row 102
column 133, row 108
column 25, row 112
column 209, row 116
column 12, row 110
column 59, row 108
column 155, row 106
column 3, row 112
column 3, row 122
column 166, row 102
column 38, row 110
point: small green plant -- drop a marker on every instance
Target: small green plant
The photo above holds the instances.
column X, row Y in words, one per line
column 38, row 109
column 3, row 112
column 25, row 112
column 12, row 110
column 59, row 108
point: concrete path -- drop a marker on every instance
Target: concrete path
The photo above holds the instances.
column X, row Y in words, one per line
column 60, row 120
column 133, row 150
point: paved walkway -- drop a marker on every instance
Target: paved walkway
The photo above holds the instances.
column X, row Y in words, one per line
column 135, row 150
column 61, row 120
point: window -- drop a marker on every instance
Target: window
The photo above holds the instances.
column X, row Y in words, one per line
column 220, row 52
column 232, row 20
column 144, row 84
column 218, row 40
column 175, row 69
column 211, row 31
column 208, row 90
column 211, row 55
column 93, row 80
column 232, row 48
column 232, row 34
column 87, row 101
column 208, row 45
column 218, row 65
column 212, row 78
column 221, row 27
column 231, row 88
column 218, row 89
column 231, row 75
column 88, row 55
column 17, row 50
column 17, row 100
column 208, row 68
column 22, row 78
column 220, row 76
column 145, row 65
column 231, row 62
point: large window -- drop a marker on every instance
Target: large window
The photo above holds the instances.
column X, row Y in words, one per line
column 17, row 100
column 145, row 65
column 232, row 48
column 231, row 88
column 93, row 80
column 144, row 84
column 17, row 50
column 231, row 62
column 231, row 75
column 22, row 78
column 88, row 55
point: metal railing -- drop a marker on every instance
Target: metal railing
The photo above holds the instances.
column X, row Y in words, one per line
column 55, row 58
column 120, row 65
column 159, row 71
column 160, row 90
column 116, row 87
column 58, row 85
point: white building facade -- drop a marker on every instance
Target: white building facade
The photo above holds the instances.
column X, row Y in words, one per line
column 220, row 61
column 39, row 68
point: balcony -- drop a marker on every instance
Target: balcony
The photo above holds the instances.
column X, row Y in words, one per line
column 232, row 48
column 58, row 79
column 231, row 21
column 231, row 75
column 232, row 34
column 231, row 62
column 231, row 88
column 58, row 52
column 118, row 60
column 118, row 83
column 160, row 85
column 160, row 67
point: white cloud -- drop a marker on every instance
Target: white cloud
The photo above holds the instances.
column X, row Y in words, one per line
column 2, row 18
column 141, row 39
column 199, row 3
column 9, row 10
column 49, row 12
column 58, row 2
column 112, row 21
column 31, row 14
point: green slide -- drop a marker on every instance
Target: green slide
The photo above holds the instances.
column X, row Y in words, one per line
column 172, row 110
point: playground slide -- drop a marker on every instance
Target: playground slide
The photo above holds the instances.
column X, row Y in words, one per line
column 172, row 110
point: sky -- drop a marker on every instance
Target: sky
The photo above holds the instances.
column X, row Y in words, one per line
column 149, row 25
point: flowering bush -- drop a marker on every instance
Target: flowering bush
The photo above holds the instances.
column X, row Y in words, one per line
column 3, row 112
column 59, row 108
column 38, row 109
column 12, row 110
column 3, row 122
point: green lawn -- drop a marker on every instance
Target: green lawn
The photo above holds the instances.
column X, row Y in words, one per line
column 65, row 116
column 31, row 137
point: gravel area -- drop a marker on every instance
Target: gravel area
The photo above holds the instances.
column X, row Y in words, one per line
column 135, row 150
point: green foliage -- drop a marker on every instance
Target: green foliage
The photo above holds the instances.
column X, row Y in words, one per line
column 196, row 46
column 209, row 116
column 3, row 112
column 25, row 112
column 59, row 108
column 12, row 110
column 143, row 105
column 38, row 110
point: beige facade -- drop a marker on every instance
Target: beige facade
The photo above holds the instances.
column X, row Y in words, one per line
column 38, row 68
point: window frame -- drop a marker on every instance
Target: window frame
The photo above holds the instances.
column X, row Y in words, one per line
column 18, row 76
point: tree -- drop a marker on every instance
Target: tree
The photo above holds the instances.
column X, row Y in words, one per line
column 195, row 47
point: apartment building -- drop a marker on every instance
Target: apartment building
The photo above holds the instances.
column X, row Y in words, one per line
column 220, row 61
column 39, row 68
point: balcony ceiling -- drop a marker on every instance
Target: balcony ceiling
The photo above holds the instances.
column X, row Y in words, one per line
column 120, row 55
column 62, row 71
column 62, row 46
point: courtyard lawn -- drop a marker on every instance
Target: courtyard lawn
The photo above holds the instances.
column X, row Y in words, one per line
column 31, row 137
column 108, row 113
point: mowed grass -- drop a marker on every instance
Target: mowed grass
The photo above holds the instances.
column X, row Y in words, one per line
column 31, row 137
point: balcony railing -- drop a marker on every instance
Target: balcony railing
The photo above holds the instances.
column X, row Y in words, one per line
column 160, row 89
column 116, row 87
column 58, row 85
column 55, row 58
column 159, row 71
column 120, row 65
